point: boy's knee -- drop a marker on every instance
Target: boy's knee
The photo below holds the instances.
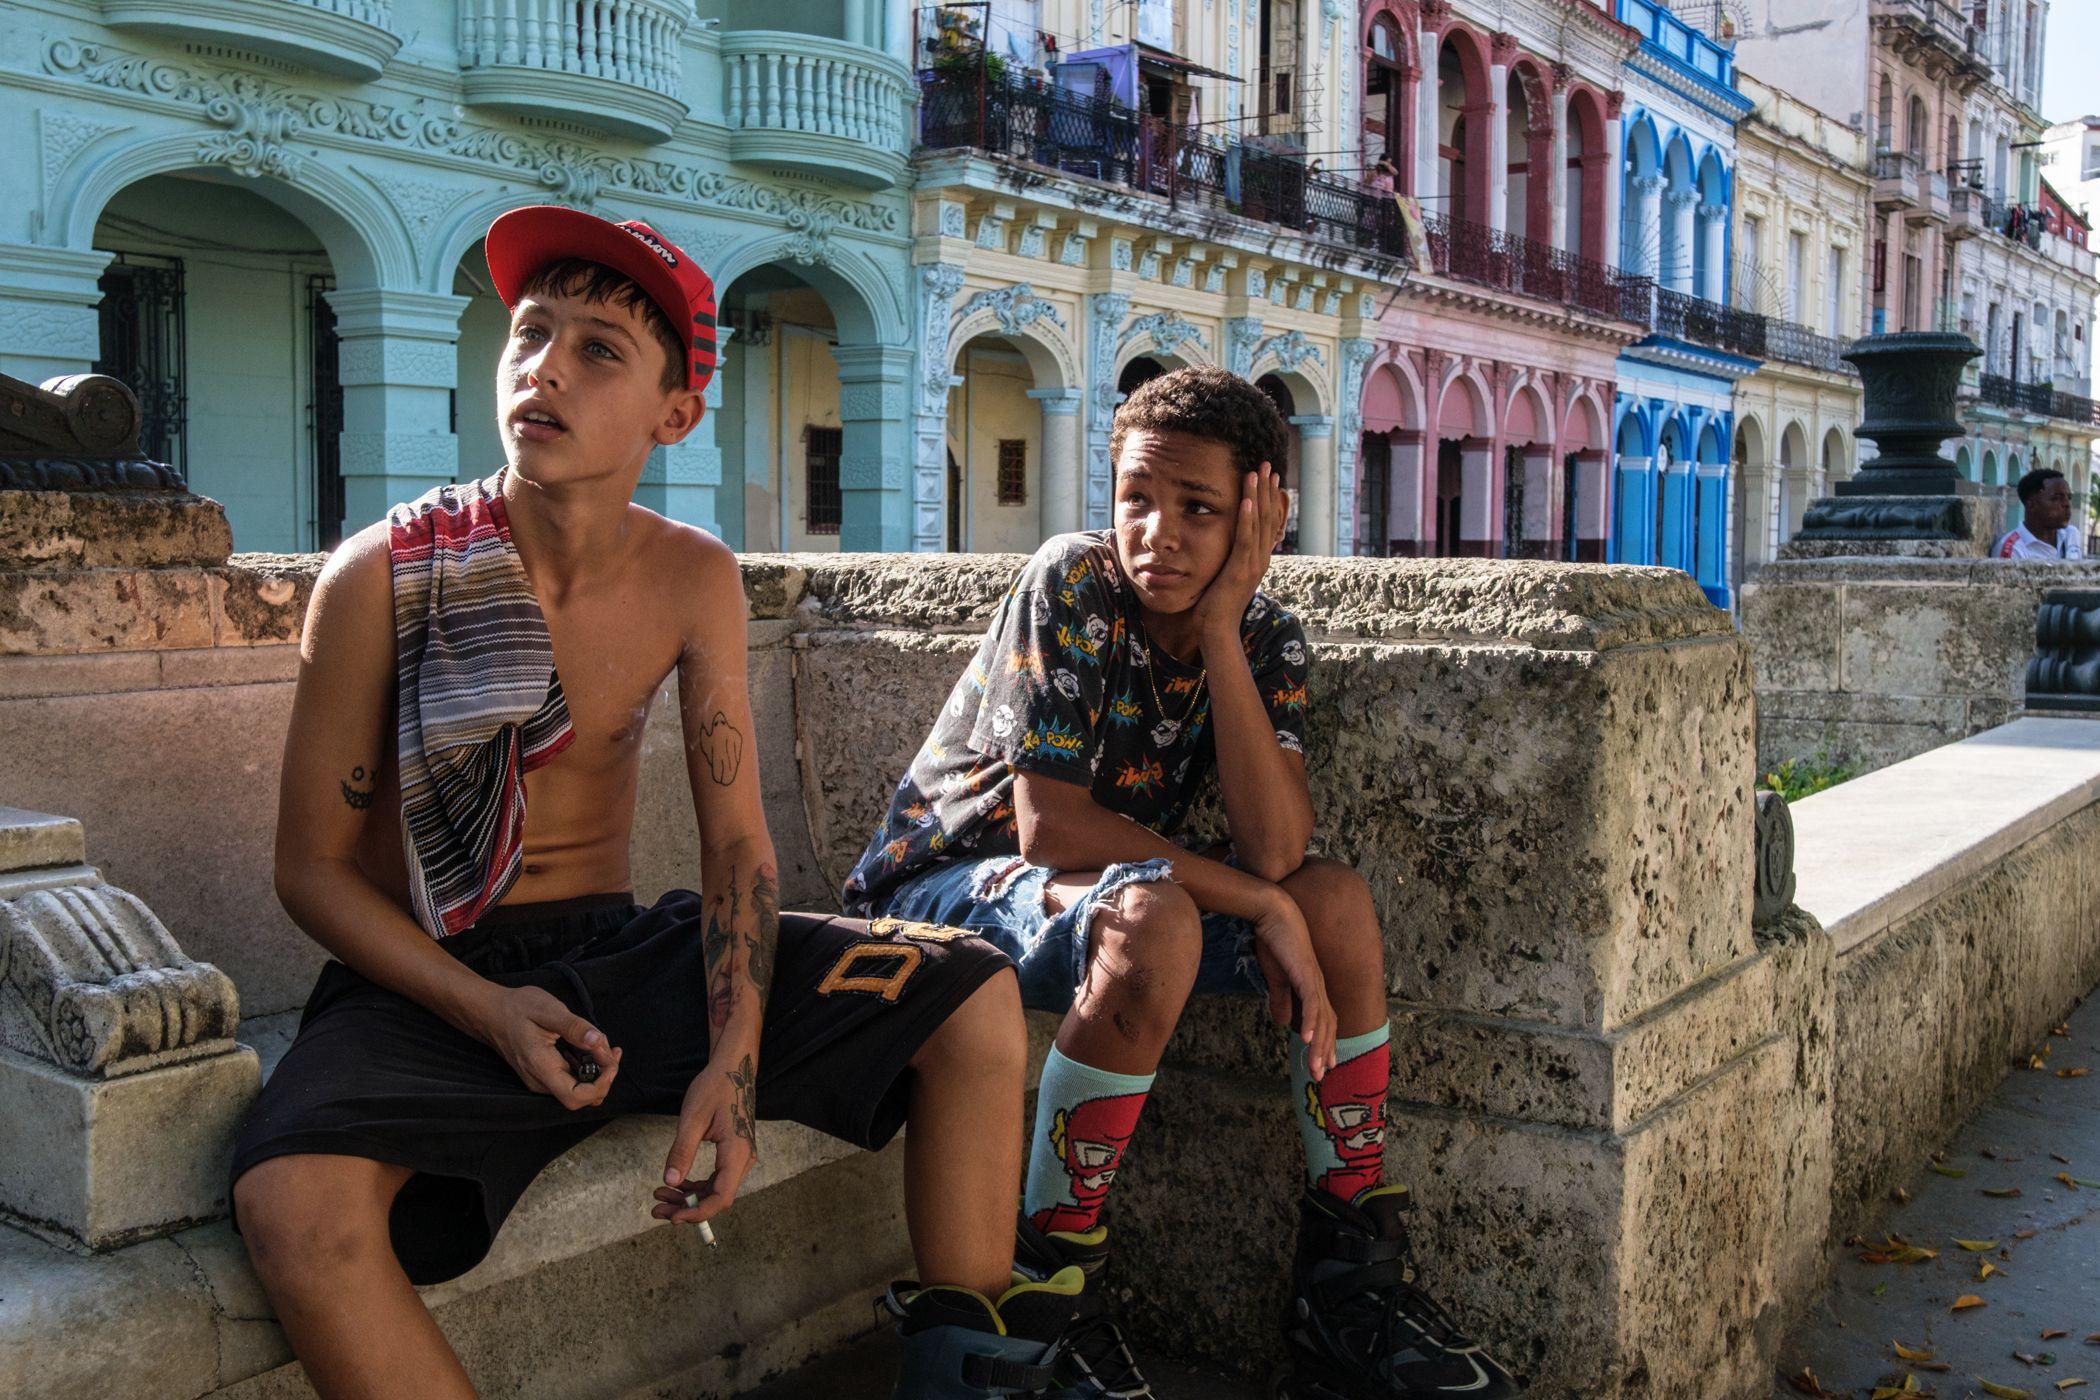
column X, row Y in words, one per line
column 989, row 1030
column 301, row 1217
column 1328, row 891
column 1149, row 938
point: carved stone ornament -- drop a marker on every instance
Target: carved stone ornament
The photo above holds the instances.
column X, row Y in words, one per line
column 1884, row 518
column 79, row 432
column 1908, row 384
column 1775, row 859
column 92, row 982
column 1291, row 350
column 1169, row 330
column 1015, row 308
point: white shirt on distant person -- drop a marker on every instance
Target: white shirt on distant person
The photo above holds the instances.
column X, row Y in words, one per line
column 2023, row 543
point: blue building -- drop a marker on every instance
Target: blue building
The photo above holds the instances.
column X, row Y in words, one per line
column 1673, row 423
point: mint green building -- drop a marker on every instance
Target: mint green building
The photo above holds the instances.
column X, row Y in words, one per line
column 266, row 216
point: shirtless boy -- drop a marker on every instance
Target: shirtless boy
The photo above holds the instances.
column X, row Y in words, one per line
column 1123, row 666
column 453, row 826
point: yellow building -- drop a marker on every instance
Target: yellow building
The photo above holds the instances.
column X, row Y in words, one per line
column 1801, row 254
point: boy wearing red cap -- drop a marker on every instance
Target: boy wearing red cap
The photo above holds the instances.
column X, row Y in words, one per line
column 454, row 821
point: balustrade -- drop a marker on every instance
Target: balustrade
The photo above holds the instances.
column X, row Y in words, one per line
column 2038, row 399
column 613, row 64
column 789, row 99
column 349, row 38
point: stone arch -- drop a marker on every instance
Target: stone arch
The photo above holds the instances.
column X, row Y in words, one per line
column 1990, row 475
column 1527, row 411
column 1463, row 389
column 1965, row 462
column 1392, row 396
column 365, row 240
column 1183, row 351
column 1836, row 464
column 1632, row 431
column 1472, row 101
column 1054, row 364
column 1644, row 145
column 866, row 302
column 1308, row 380
column 1589, row 167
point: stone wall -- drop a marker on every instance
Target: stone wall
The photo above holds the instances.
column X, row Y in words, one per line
column 1876, row 659
column 1959, row 891
column 1613, row 1096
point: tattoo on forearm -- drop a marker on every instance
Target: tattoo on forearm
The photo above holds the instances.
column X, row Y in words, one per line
column 764, row 934
column 723, row 744
column 718, row 947
column 744, row 1111
column 359, row 798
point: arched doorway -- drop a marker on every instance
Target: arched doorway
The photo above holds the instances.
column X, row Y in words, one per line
column 1286, row 404
column 1584, row 478
column 1464, row 105
column 1751, row 494
column 1589, row 166
column 1795, row 492
column 1680, row 193
column 779, row 427
column 1464, row 505
column 1670, row 540
column 1632, row 532
column 215, row 310
column 1388, row 99
column 1529, row 516
column 1389, row 492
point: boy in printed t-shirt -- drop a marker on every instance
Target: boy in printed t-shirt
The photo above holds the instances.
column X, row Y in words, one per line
column 1124, row 664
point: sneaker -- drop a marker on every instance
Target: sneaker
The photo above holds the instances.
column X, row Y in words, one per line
column 1096, row 1363
column 957, row 1344
column 1358, row 1327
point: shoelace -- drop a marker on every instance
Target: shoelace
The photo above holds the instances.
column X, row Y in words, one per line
column 1097, row 1344
column 1383, row 1298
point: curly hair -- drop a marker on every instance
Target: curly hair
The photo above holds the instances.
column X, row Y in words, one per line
column 2031, row 484
column 1206, row 403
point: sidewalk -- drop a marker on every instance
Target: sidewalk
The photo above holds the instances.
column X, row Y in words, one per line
column 866, row 1370
column 2000, row 1183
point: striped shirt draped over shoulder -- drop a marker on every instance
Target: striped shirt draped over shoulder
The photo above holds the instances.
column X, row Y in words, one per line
column 479, row 705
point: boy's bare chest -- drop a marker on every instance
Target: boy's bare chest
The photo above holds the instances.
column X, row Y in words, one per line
column 612, row 655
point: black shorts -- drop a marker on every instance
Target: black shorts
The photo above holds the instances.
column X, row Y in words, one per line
column 372, row 1074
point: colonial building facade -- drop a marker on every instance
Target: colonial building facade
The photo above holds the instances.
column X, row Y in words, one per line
column 1802, row 183
column 1673, row 423
column 265, row 215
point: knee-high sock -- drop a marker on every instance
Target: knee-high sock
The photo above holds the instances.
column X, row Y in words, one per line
column 1341, row 1119
column 1083, row 1120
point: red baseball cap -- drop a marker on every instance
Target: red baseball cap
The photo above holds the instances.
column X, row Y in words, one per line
column 522, row 241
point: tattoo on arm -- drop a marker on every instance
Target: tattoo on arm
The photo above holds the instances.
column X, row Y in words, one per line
column 723, row 744
column 744, row 1111
column 718, row 946
column 764, row 935
column 359, row 797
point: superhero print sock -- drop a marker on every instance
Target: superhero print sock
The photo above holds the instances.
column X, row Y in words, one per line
column 1341, row 1119
column 1083, row 1120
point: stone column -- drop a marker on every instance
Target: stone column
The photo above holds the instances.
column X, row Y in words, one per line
column 1614, row 193
column 48, row 301
column 1316, row 493
column 1404, row 514
column 1557, row 232
column 1106, row 312
column 938, row 284
column 1063, row 504
column 1713, row 236
column 875, row 389
column 1427, row 126
column 398, row 366
column 1677, row 252
column 1498, row 142
column 1348, row 451
column 1644, row 227
column 681, row 482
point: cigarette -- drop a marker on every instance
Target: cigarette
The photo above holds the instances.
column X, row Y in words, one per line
column 707, row 1232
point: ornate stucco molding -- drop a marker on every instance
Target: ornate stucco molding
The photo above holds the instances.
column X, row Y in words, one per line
column 261, row 117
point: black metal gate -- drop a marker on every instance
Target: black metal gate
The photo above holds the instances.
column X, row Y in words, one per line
column 142, row 330
column 324, row 412
column 1374, row 496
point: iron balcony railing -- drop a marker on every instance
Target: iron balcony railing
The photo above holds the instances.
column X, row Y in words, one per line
column 1798, row 345
column 1727, row 328
column 1036, row 121
column 2038, row 399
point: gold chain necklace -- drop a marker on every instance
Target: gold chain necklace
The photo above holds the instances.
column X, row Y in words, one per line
column 1159, row 705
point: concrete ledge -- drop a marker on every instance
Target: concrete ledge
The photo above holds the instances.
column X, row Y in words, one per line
column 1872, row 851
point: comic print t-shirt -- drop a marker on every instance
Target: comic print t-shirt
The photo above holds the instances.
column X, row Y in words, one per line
column 1067, row 684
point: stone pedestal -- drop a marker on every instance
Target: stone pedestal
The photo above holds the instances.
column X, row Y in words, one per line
column 117, row 1061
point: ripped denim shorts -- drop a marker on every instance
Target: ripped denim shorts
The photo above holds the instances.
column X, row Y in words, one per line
column 1000, row 899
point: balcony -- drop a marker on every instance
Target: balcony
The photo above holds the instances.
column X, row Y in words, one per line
column 816, row 105
column 1728, row 329
column 349, row 38
column 1187, row 165
column 610, row 65
column 1934, row 34
column 1796, row 344
column 1934, row 187
column 1965, row 220
column 2038, row 399
column 1895, row 181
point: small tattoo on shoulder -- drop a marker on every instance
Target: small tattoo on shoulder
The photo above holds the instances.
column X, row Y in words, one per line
column 359, row 798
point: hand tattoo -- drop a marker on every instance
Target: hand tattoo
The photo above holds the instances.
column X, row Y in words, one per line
column 359, row 798
column 723, row 744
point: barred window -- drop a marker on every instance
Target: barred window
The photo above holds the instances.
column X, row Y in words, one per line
column 820, row 478
column 1013, row 472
